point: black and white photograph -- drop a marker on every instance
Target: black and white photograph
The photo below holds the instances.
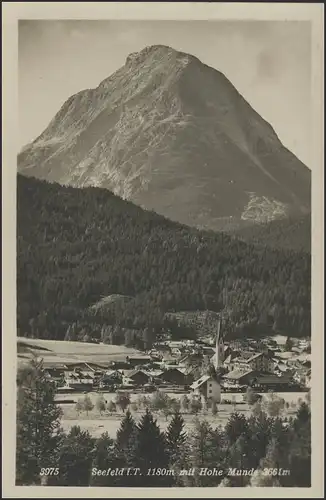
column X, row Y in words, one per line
column 164, row 254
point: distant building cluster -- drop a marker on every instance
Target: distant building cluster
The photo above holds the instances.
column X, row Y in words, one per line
column 206, row 370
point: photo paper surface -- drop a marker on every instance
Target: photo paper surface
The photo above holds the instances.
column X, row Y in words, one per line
column 163, row 244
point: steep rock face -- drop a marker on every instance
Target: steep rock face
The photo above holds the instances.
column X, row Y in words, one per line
column 172, row 135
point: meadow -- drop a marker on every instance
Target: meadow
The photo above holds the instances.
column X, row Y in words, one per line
column 97, row 423
column 57, row 351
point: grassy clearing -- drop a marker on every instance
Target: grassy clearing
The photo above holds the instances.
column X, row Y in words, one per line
column 97, row 423
column 57, row 351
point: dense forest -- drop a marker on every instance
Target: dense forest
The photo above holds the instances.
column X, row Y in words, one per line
column 293, row 233
column 76, row 246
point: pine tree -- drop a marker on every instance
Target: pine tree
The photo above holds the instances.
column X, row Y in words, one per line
column 150, row 452
column 238, row 457
column 260, row 428
column 38, row 424
column 175, row 438
column 125, row 433
column 76, row 455
column 236, row 426
column 299, row 450
column 105, row 457
column 302, row 416
column 205, row 450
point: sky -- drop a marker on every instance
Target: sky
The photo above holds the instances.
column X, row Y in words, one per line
column 269, row 62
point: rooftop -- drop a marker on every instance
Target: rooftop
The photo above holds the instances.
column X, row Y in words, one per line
column 200, row 381
column 237, row 374
column 273, row 379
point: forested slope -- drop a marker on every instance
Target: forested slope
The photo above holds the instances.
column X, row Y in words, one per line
column 76, row 246
column 293, row 233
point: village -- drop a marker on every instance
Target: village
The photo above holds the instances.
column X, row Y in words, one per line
column 184, row 367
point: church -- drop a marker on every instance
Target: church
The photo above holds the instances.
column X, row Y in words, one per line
column 208, row 386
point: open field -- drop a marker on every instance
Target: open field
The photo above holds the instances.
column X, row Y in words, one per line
column 111, row 424
column 60, row 351
column 96, row 424
column 237, row 396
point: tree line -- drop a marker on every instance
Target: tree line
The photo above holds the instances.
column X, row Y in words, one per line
column 75, row 246
column 46, row 455
column 293, row 233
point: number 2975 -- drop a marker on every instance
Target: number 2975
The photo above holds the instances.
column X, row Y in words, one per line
column 49, row 471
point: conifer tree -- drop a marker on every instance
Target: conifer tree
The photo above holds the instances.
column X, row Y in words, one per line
column 236, row 426
column 38, row 424
column 299, row 452
column 260, row 428
column 125, row 433
column 175, row 438
column 238, row 457
column 105, row 457
column 204, row 451
column 76, row 455
column 150, row 452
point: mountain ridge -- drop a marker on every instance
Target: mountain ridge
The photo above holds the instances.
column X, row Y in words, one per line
column 175, row 136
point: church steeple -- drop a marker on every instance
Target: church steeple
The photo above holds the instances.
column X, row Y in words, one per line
column 219, row 353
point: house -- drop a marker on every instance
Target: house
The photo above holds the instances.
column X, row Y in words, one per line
column 155, row 354
column 138, row 360
column 110, row 378
column 192, row 359
column 81, row 365
column 208, row 351
column 168, row 359
column 300, row 374
column 137, row 377
column 162, row 348
column 175, row 376
column 177, row 351
column 207, row 387
column 304, row 344
column 281, row 368
column 120, row 365
column 80, row 381
column 238, row 378
column 248, row 361
column 272, row 382
column 56, row 375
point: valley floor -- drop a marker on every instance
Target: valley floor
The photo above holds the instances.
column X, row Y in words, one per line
column 97, row 424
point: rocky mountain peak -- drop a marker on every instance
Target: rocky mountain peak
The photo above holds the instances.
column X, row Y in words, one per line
column 175, row 136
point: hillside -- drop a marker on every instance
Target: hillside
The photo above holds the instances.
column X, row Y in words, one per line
column 293, row 233
column 76, row 246
column 174, row 136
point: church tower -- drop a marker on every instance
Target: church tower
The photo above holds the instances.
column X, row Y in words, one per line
column 219, row 354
